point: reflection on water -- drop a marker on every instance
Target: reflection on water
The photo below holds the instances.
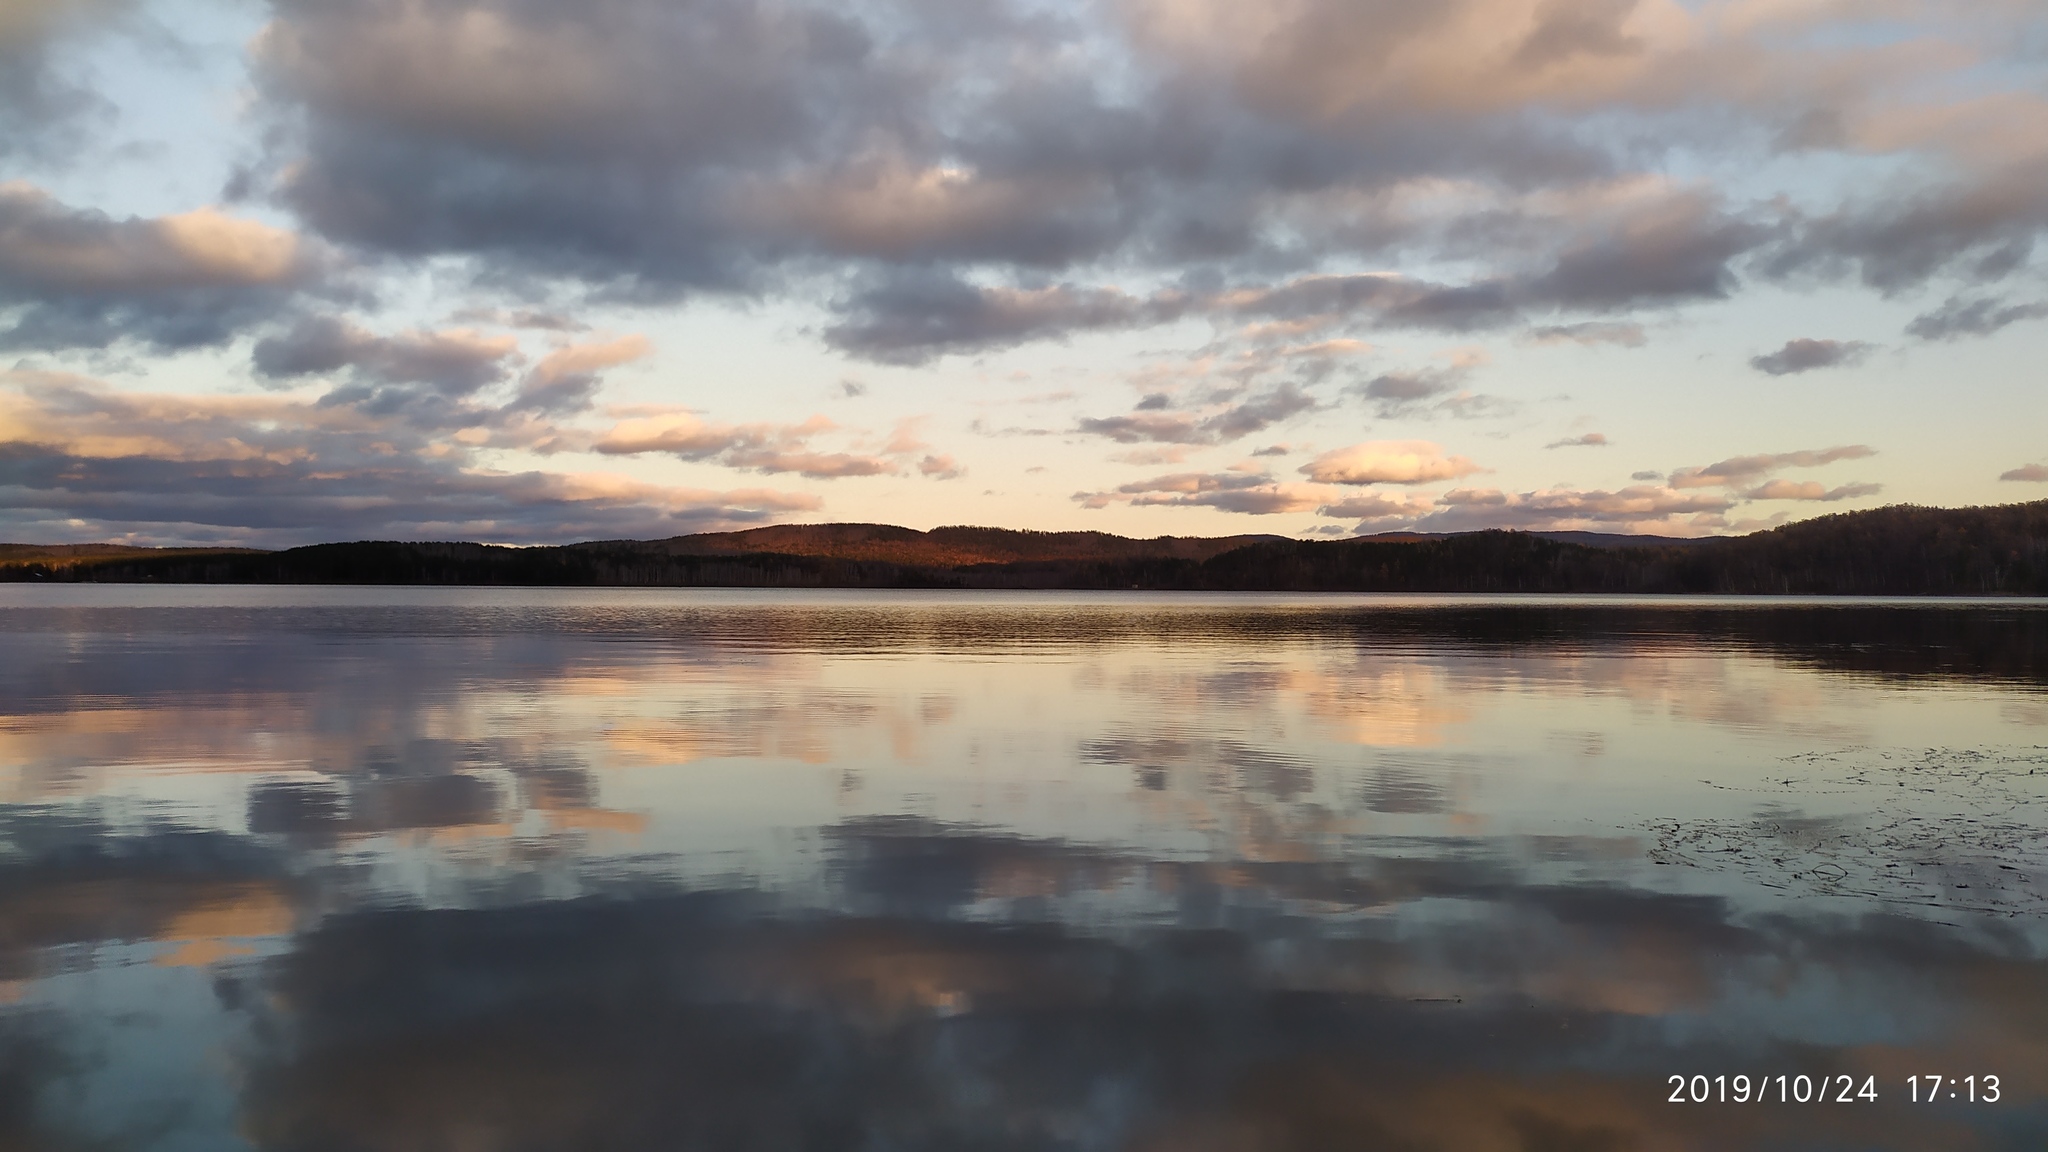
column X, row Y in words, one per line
column 414, row 869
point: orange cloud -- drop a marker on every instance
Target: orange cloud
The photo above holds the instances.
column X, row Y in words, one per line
column 1388, row 462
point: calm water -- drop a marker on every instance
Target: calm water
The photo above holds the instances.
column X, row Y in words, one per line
column 477, row 870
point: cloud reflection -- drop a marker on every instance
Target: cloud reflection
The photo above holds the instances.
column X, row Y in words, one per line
column 1035, row 874
column 1250, row 1012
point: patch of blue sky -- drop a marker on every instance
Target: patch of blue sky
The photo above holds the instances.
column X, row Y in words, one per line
column 174, row 80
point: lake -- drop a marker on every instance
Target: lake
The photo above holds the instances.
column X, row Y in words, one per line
column 469, row 869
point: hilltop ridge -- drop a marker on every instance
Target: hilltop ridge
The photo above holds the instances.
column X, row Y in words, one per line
column 1900, row 550
column 950, row 546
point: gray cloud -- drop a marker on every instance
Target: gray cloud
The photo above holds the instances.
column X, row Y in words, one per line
column 532, row 318
column 41, row 110
column 1250, row 493
column 1424, row 392
column 1980, row 225
column 1235, row 421
column 1960, row 317
column 440, row 381
column 653, row 147
column 1259, row 412
column 1374, row 506
column 85, row 279
column 1621, row 333
column 588, row 139
column 1804, row 355
column 50, row 495
column 1674, row 251
column 954, row 178
column 454, row 362
column 90, row 463
column 1396, row 391
column 657, row 147
column 1738, row 470
column 1667, row 252
column 909, row 318
column 2030, row 473
column 1589, row 440
column 1470, row 509
column 1393, row 301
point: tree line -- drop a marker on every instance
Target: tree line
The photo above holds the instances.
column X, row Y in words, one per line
column 1897, row 551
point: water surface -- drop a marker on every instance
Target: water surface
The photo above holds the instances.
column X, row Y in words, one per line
column 300, row 868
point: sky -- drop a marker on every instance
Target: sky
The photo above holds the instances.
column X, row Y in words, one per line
column 536, row 271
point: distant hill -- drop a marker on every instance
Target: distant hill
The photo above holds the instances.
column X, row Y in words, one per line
column 1901, row 550
column 941, row 547
column 86, row 553
column 1590, row 539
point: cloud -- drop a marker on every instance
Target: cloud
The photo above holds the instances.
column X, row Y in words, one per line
column 2032, row 473
column 83, row 461
column 1590, row 332
column 941, row 468
column 85, row 279
column 815, row 465
column 454, row 361
column 1428, row 392
column 997, row 1035
column 687, row 435
column 1166, row 454
column 968, row 180
column 955, row 179
column 1960, row 317
column 1636, row 507
column 1643, row 245
column 1810, row 490
column 1806, row 355
column 913, row 317
column 446, row 381
column 567, row 378
column 1390, row 300
column 508, row 128
column 1388, row 462
column 1376, row 506
column 1232, row 421
column 520, row 318
column 768, row 447
column 1665, row 250
column 1162, row 427
column 42, row 110
column 1589, row 440
column 666, row 146
column 1977, row 221
column 1251, row 493
column 1738, row 470
column 1399, row 393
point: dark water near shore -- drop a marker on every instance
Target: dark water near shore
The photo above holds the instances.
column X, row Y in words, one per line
column 422, row 869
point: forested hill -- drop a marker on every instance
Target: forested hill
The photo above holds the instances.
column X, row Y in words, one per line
column 1903, row 550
